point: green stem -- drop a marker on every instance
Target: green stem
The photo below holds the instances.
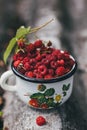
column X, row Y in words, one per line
column 38, row 28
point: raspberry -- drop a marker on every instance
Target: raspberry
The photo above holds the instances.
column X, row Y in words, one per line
column 44, row 55
column 27, row 66
column 45, row 61
column 38, row 43
column 48, row 76
column 39, row 76
column 26, row 59
column 60, row 62
column 60, row 71
column 22, row 71
column 67, row 70
column 15, row 57
column 71, row 62
column 61, row 56
column 40, row 120
column 20, row 43
column 38, row 60
column 51, row 58
column 32, row 61
column 51, row 71
column 20, row 58
column 37, row 65
column 56, row 52
column 42, row 69
column 66, row 56
column 16, row 63
column 53, row 64
column 38, row 57
column 30, row 47
column 30, row 74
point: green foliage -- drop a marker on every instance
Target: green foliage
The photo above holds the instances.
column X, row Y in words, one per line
column 37, row 95
column 46, row 96
column 66, row 87
column 64, row 93
column 1, row 113
column 9, row 49
column 42, row 100
column 21, row 33
column 49, row 92
column 50, row 102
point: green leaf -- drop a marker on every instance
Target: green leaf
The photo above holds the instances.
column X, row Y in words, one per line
column 64, row 93
column 37, row 95
column 42, row 100
column 66, row 87
column 22, row 31
column 9, row 49
column 50, row 102
column 49, row 92
column 1, row 113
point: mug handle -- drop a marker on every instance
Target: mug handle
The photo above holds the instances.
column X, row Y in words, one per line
column 4, row 77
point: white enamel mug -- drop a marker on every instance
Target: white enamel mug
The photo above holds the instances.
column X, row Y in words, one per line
column 40, row 93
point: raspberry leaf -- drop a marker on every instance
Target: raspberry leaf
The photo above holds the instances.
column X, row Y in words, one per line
column 9, row 49
column 22, row 32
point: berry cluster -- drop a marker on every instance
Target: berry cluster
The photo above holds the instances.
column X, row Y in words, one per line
column 41, row 60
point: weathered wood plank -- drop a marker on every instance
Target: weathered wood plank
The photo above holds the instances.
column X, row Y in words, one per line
column 72, row 115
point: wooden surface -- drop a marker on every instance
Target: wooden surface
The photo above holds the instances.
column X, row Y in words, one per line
column 72, row 115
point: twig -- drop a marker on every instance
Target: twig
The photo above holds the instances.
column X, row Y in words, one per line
column 38, row 28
